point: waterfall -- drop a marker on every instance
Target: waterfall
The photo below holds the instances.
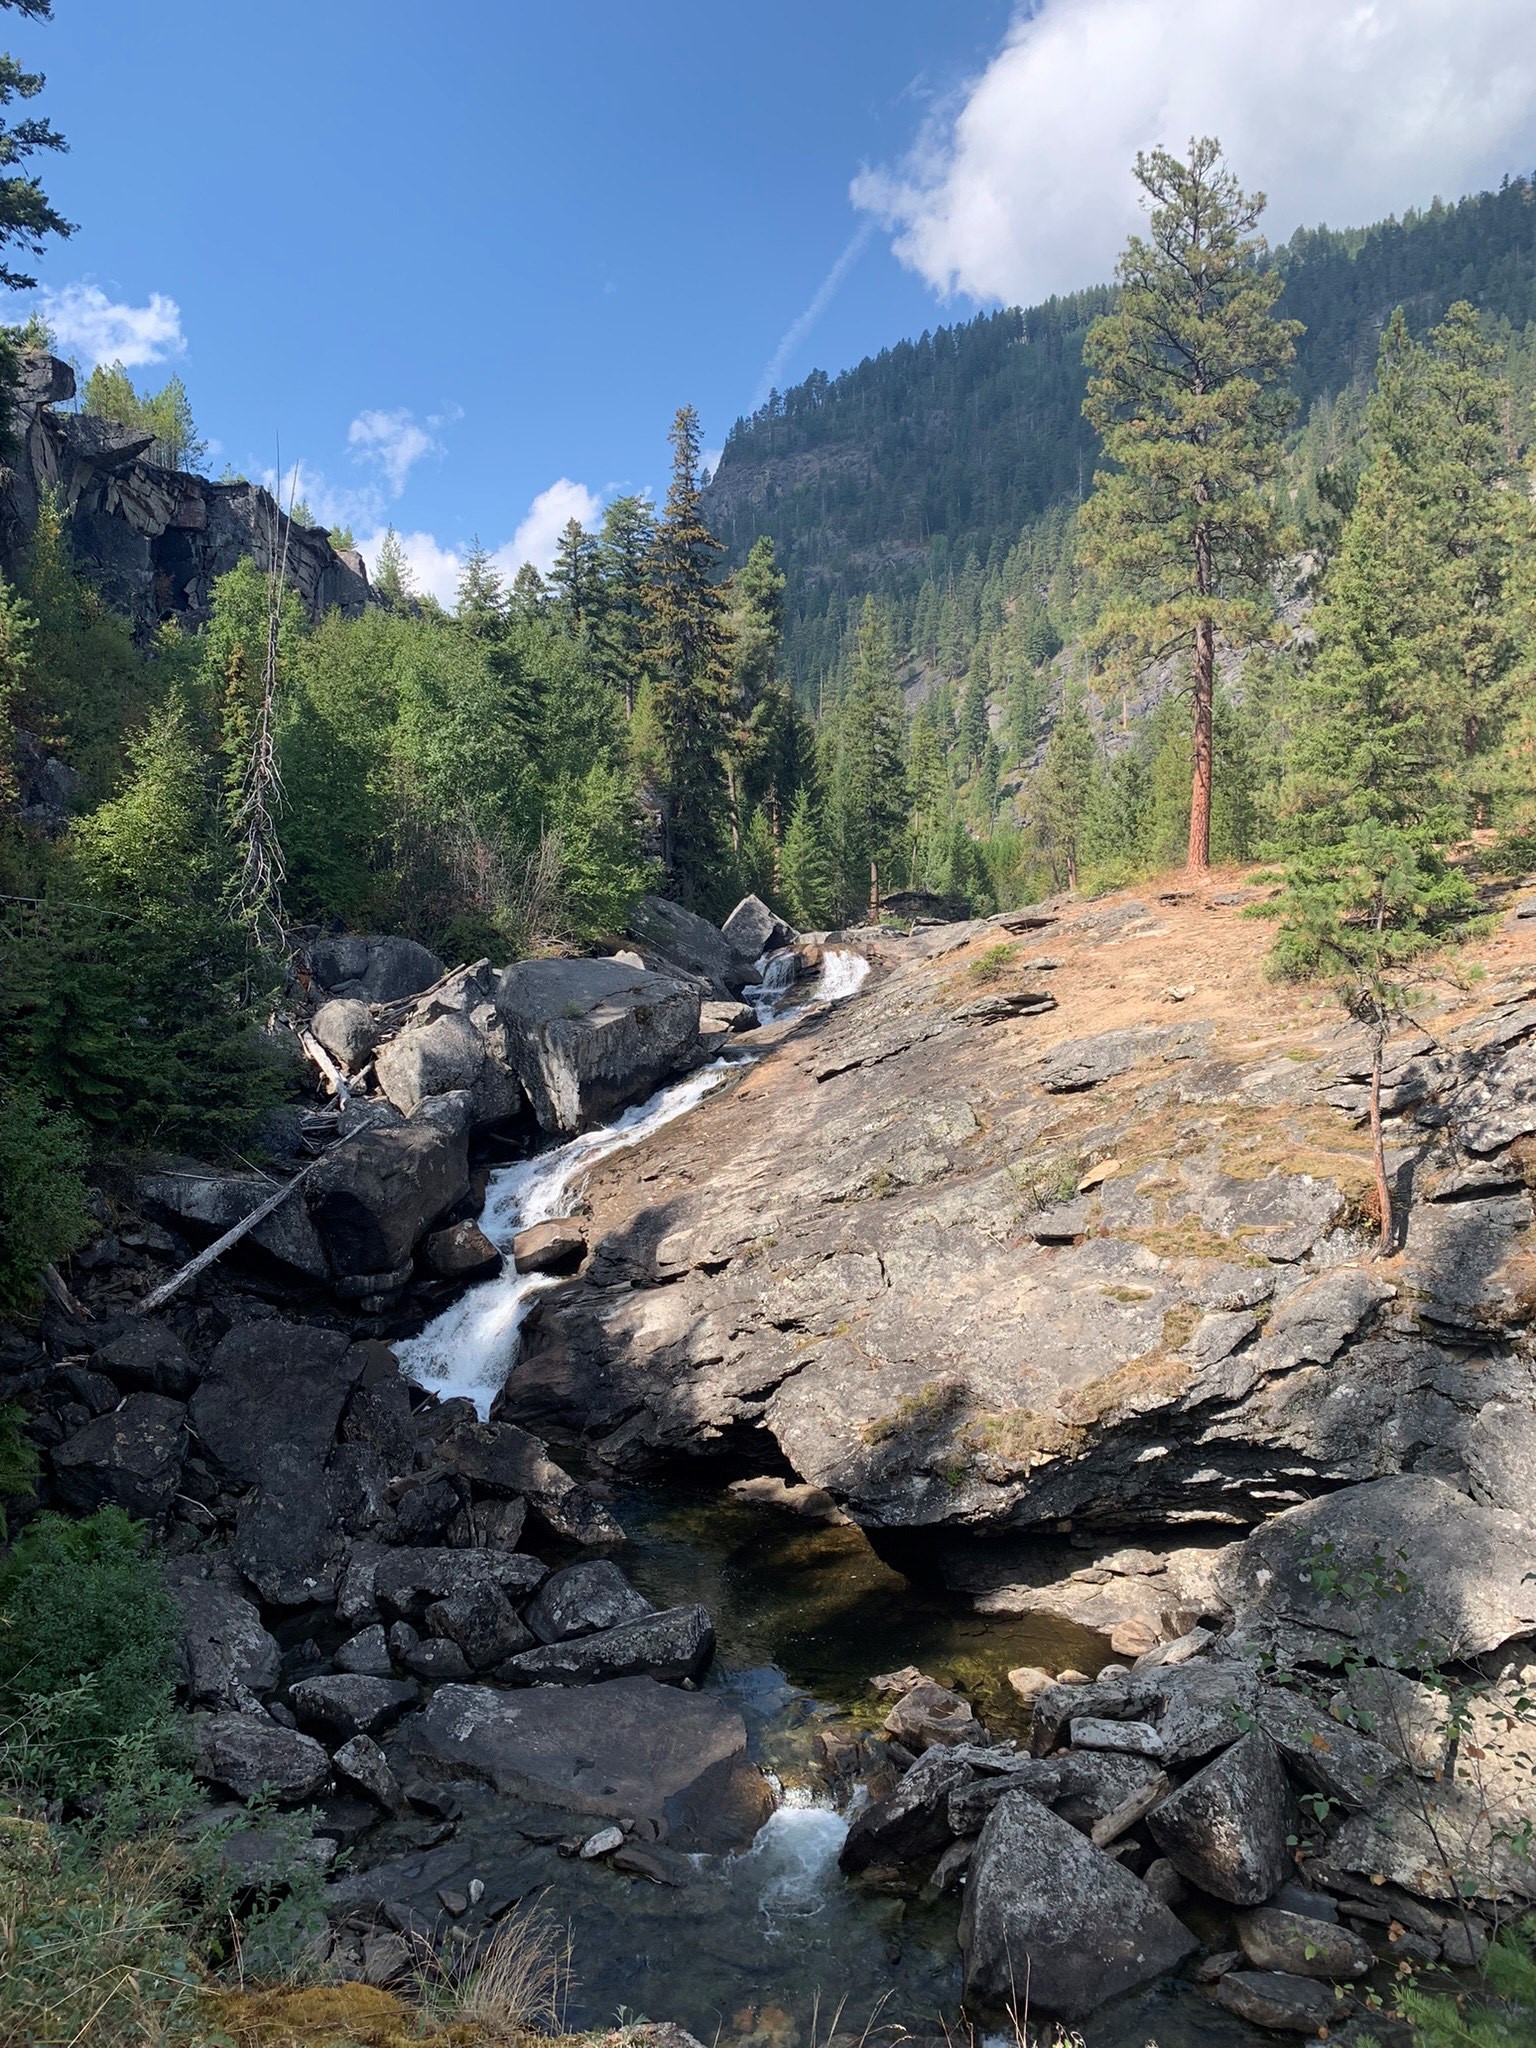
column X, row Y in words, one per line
column 842, row 975
column 472, row 1346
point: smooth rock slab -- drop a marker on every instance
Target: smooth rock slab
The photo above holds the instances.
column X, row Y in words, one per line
column 1225, row 1830
column 672, row 1645
column 1042, row 1904
column 546, row 1247
column 627, row 1749
column 246, row 1754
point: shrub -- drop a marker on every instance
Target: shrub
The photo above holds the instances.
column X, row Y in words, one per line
column 42, row 1201
column 87, row 1648
column 18, row 1461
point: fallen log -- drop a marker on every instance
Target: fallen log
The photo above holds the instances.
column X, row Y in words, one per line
column 205, row 1258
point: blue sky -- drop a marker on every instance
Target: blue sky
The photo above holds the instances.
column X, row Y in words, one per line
column 465, row 259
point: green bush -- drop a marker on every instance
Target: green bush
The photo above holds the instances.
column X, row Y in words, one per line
column 88, row 1645
column 18, row 1461
column 42, row 1201
column 1504, row 2018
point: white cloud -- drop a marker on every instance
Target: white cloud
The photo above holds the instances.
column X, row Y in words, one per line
column 435, row 569
column 544, row 522
column 87, row 324
column 1341, row 110
column 394, row 442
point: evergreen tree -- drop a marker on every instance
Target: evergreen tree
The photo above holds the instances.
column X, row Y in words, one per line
column 392, row 577
column 26, row 215
column 871, row 762
column 1064, row 788
column 619, row 629
column 574, row 578
column 1188, row 397
column 529, row 597
column 168, row 416
column 806, row 870
column 481, row 606
column 689, row 657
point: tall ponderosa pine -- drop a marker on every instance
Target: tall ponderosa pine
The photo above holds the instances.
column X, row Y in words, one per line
column 871, row 788
column 1188, row 397
column 689, row 653
column 392, row 577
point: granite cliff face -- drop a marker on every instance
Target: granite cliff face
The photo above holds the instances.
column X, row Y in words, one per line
column 1078, row 1235
column 151, row 540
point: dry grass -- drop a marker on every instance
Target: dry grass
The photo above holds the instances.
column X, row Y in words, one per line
column 513, row 1988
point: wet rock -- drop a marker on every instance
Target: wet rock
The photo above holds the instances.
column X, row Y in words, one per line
column 1226, row 1828
column 931, row 1714
column 672, row 1645
column 913, row 1822
column 483, row 1622
column 130, row 1459
column 407, row 1582
column 550, row 1247
column 147, row 1358
column 376, row 1196
column 1039, row 1898
column 435, row 1058
column 349, row 1704
column 366, row 1654
column 229, row 1658
column 1466, row 1593
column 1286, row 2005
column 346, row 1029
column 726, row 1017
column 582, row 1599
column 246, row 1754
column 627, row 1749
column 589, row 1037
column 462, row 1252
column 1273, row 1939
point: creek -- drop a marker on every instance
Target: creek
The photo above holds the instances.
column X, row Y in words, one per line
column 760, row 1949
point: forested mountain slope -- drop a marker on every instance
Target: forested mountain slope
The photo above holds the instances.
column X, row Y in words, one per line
column 948, row 446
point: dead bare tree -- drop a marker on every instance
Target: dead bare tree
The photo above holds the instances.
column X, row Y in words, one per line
column 262, row 870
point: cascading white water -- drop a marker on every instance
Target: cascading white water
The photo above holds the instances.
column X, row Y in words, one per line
column 792, row 1862
column 842, row 975
column 471, row 1347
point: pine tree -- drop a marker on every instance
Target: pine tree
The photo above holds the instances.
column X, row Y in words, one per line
column 1189, row 399
column 392, row 577
column 871, row 761
column 574, row 576
column 689, row 657
column 529, row 596
column 168, row 415
column 1064, row 788
column 26, row 216
column 619, row 628
column 481, row 606
column 807, row 879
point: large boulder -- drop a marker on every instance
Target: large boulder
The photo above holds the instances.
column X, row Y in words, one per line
column 589, row 1037
column 671, row 937
column 1226, row 1829
column 752, row 929
column 345, row 1703
column 371, row 970
column 407, row 1582
column 1409, row 1568
column 430, row 1059
column 346, row 1029
column 912, row 1822
column 628, row 1749
column 147, row 1358
column 289, row 1537
column 205, row 1204
column 273, row 1383
column 583, row 1599
column 129, row 1459
column 500, row 1459
column 228, row 1659
column 378, row 1194
column 1046, row 1909
column 246, row 1754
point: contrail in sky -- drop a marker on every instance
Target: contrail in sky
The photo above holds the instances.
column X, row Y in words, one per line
column 794, row 335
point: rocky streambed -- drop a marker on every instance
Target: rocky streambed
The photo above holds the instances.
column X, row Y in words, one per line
column 999, row 1511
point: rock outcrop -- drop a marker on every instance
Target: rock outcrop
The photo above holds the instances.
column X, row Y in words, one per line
column 590, row 1037
column 152, row 540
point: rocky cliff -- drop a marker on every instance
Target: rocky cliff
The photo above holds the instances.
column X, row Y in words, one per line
column 151, row 540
